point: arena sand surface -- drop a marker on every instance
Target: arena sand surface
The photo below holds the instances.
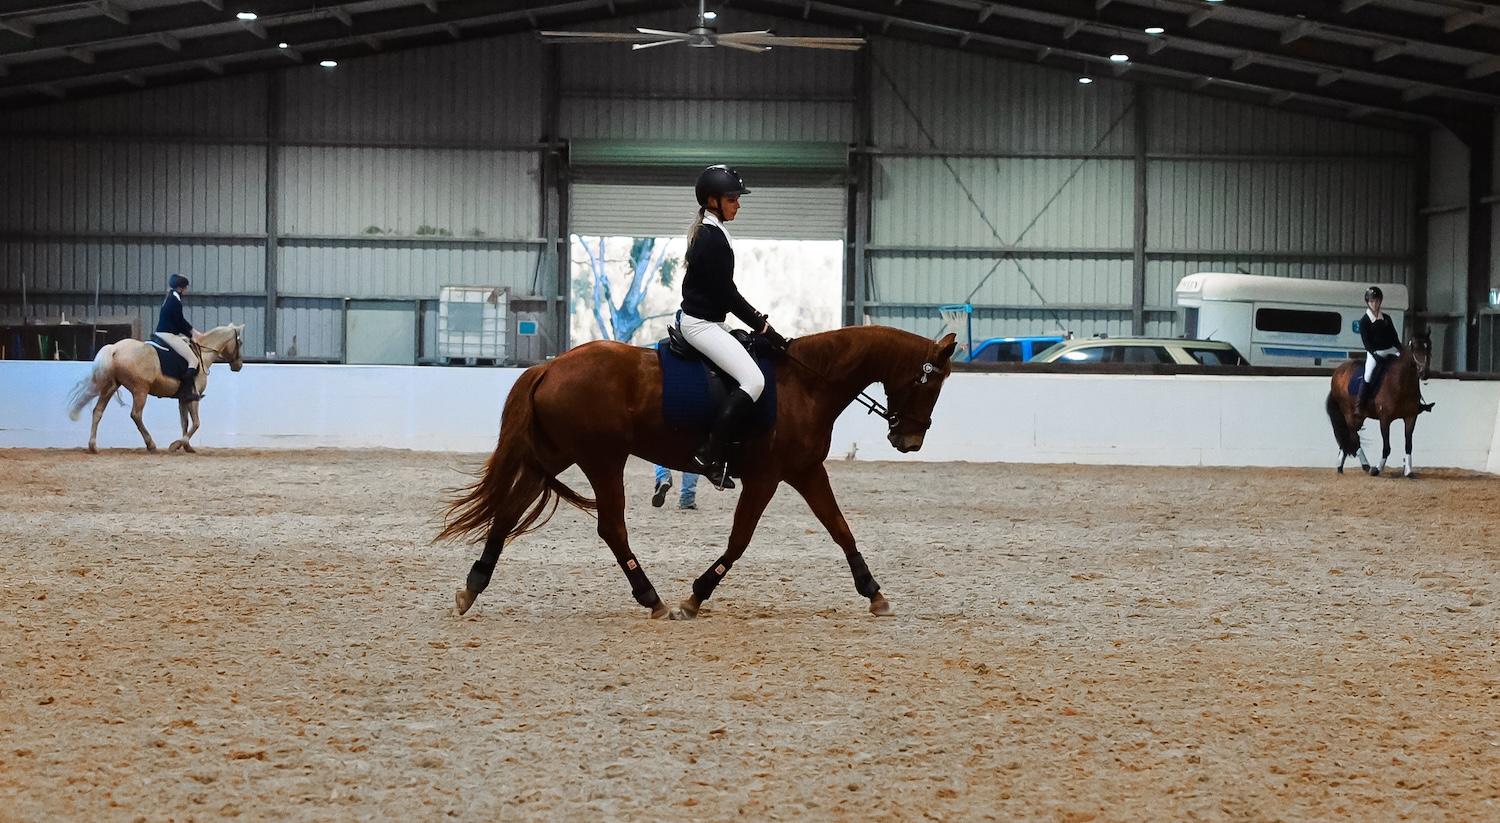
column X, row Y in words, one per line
column 269, row 635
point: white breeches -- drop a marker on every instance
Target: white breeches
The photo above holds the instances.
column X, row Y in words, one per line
column 713, row 340
column 1370, row 361
column 179, row 344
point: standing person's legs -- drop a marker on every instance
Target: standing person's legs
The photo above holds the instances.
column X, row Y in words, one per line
column 663, row 484
column 689, row 498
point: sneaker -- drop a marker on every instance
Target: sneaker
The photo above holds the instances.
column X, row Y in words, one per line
column 687, row 507
column 660, row 496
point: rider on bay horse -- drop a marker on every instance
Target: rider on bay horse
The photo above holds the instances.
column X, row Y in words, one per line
column 1382, row 342
column 708, row 297
column 175, row 332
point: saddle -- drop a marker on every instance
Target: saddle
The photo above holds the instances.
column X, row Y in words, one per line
column 1357, row 379
column 172, row 364
column 693, row 388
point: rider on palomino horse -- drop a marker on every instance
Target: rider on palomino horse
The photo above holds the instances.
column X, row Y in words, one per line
column 175, row 332
column 1382, row 343
column 709, row 296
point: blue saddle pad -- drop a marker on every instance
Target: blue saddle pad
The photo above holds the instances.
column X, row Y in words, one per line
column 1357, row 380
column 691, row 395
column 172, row 364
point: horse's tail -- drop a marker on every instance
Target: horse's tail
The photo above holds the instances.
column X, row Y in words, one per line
column 513, row 491
column 92, row 385
column 1348, row 441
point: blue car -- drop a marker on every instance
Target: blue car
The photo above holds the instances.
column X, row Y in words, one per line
column 1012, row 349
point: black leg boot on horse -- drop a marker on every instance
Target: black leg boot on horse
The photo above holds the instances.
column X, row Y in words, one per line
column 710, row 459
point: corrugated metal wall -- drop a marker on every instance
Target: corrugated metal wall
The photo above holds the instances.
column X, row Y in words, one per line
column 403, row 172
column 396, row 175
column 1227, row 186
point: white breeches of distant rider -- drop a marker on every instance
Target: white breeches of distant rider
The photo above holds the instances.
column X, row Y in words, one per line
column 179, row 344
column 713, row 340
column 1370, row 361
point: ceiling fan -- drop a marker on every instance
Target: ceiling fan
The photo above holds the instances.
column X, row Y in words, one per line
column 705, row 35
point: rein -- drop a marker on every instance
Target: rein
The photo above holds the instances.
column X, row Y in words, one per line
column 870, row 404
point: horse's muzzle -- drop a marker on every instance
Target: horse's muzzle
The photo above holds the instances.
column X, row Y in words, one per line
column 236, row 365
column 905, row 443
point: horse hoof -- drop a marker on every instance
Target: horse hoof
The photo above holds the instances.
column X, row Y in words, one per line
column 175, row 447
column 1411, row 475
column 880, row 607
column 660, row 610
column 462, row 600
column 1374, row 472
column 151, row 449
column 93, row 450
column 189, row 449
column 1341, row 469
column 687, row 611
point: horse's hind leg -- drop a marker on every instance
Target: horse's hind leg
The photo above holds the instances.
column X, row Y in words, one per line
column 1406, row 466
column 608, row 481
column 104, row 398
column 814, row 488
column 753, row 501
column 138, row 405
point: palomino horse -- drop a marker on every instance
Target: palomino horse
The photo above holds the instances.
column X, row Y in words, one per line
column 1399, row 398
column 602, row 402
column 133, row 364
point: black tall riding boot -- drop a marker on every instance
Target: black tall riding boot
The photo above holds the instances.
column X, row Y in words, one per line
column 187, row 391
column 710, row 457
column 1366, row 400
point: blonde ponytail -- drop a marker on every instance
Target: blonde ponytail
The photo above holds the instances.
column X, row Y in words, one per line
column 692, row 232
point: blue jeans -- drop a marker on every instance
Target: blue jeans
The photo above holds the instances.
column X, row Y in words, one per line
column 689, row 494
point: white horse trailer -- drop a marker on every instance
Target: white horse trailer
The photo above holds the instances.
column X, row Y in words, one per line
column 1282, row 321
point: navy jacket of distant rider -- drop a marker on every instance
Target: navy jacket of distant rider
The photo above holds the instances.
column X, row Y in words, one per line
column 708, row 290
column 1379, row 335
column 171, row 320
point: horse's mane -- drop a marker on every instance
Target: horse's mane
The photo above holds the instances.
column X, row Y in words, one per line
column 827, row 351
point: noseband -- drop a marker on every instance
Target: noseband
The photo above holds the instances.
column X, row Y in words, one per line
column 892, row 417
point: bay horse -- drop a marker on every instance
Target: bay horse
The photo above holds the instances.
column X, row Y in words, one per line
column 601, row 402
column 1399, row 398
column 133, row 365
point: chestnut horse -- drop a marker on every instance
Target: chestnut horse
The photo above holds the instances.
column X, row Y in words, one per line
column 1399, row 398
column 601, row 402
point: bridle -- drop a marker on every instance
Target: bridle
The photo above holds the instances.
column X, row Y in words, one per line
column 202, row 348
column 891, row 416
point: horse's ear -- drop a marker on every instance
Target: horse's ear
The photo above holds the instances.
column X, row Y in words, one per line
column 947, row 346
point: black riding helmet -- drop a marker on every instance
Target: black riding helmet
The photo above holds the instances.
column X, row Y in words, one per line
column 718, row 181
column 1374, row 293
column 176, row 281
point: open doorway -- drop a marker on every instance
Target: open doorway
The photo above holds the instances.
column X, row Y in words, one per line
column 627, row 258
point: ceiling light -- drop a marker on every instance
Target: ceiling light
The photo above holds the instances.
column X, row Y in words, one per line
column 328, row 64
column 1085, row 81
column 1155, row 30
column 710, row 15
column 281, row 45
column 1119, row 58
column 247, row 15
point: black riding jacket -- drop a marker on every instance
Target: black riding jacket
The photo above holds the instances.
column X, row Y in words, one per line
column 708, row 290
column 1378, row 335
column 170, row 319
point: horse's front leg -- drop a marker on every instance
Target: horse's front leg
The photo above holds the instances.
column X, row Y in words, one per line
column 1406, row 465
column 187, row 436
column 754, row 498
column 182, row 417
column 814, row 487
column 1385, row 445
column 137, row 406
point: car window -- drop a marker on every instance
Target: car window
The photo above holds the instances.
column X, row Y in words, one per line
column 1144, row 354
column 1215, row 357
column 1092, row 354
